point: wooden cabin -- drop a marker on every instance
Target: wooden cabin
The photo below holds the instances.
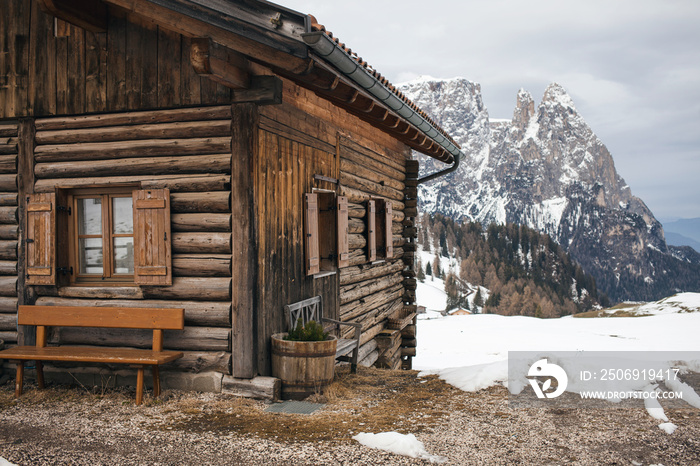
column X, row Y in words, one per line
column 226, row 157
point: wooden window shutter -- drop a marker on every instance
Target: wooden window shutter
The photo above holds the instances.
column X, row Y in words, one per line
column 372, row 230
column 41, row 239
column 152, row 247
column 342, row 224
column 388, row 219
column 311, row 239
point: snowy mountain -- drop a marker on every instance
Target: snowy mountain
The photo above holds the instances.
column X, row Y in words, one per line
column 546, row 168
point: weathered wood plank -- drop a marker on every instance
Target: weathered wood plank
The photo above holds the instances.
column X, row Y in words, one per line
column 201, row 243
column 194, row 288
column 96, row 56
column 8, row 268
column 8, row 130
column 244, row 130
column 351, row 167
column 8, row 199
column 8, row 215
column 124, row 149
column 116, row 66
column 9, row 337
column 190, row 129
column 134, row 118
column 176, row 183
column 8, row 305
column 370, row 187
column 8, row 286
column 169, row 64
column 354, row 152
column 266, row 388
column 192, row 164
column 197, row 202
column 356, row 196
column 356, row 291
column 191, row 338
column 76, row 71
column 350, row 310
column 8, row 182
column 8, row 322
column 8, row 250
column 350, row 275
column 199, row 222
column 197, row 313
column 201, row 265
column 203, row 361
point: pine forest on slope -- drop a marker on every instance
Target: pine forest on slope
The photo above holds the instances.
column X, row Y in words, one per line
column 524, row 271
column 546, row 169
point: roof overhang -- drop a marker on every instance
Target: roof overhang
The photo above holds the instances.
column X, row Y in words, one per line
column 292, row 45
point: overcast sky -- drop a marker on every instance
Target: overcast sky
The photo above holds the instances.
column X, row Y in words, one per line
column 631, row 67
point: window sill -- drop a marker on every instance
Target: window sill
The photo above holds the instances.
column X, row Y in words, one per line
column 325, row 274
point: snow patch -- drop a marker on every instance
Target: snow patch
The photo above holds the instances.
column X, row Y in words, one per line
column 668, row 427
column 400, row 444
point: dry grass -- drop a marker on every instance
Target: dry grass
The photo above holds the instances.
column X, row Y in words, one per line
column 372, row 400
column 619, row 310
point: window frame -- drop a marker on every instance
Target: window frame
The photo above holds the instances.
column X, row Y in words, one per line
column 326, row 241
column 109, row 276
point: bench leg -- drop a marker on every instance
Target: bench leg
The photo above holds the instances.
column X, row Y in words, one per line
column 19, row 381
column 139, row 385
column 156, row 381
column 40, row 374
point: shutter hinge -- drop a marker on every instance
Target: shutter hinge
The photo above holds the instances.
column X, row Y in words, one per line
column 65, row 270
column 29, row 240
column 62, row 208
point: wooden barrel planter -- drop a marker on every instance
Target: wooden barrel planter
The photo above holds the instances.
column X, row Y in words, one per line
column 304, row 367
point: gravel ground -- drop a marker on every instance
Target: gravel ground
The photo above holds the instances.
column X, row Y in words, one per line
column 71, row 425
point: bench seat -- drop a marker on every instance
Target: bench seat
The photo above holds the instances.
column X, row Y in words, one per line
column 91, row 354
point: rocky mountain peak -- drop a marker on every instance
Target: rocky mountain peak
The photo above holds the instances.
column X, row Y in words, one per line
column 547, row 169
column 524, row 110
column 555, row 94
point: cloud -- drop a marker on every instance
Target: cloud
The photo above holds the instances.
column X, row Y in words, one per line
column 631, row 66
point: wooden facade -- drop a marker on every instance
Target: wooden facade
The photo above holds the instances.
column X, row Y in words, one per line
column 227, row 145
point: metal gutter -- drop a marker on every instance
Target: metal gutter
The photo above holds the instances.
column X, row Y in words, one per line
column 327, row 49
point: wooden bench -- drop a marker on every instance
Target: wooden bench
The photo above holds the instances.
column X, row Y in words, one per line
column 98, row 317
column 312, row 309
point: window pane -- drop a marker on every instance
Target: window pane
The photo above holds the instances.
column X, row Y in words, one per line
column 123, row 215
column 124, row 256
column 90, row 216
column 90, row 255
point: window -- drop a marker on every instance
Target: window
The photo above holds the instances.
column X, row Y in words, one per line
column 102, row 236
column 325, row 232
column 105, row 235
column 380, row 241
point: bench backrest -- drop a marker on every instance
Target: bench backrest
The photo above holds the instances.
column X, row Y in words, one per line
column 158, row 319
column 306, row 310
column 105, row 317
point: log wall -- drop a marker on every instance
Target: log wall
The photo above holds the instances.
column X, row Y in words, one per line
column 307, row 136
column 187, row 151
column 132, row 66
column 9, row 232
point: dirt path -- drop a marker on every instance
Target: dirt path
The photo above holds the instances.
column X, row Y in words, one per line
column 63, row 425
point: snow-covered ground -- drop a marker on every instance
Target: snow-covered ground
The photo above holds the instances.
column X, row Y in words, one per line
column 471, row 351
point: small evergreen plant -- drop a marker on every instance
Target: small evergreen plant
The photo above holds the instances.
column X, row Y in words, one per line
column 312, row 331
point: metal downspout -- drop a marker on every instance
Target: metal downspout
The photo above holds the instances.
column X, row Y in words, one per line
column 444, row 172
